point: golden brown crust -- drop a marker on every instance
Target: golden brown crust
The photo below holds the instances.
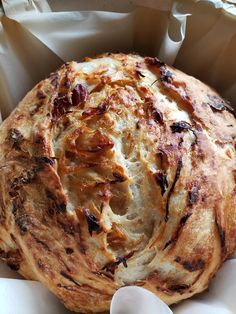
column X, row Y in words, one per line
column 117, row 171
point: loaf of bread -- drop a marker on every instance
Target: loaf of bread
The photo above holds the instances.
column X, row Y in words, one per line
column 116, row 171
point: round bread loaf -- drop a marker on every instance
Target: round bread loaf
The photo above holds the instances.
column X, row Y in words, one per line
column 119, row 170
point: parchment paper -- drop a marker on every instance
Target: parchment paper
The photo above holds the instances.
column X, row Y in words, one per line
column 36, row 37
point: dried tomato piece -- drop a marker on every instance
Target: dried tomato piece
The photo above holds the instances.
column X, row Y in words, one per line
column 79, row 95
column 92, row 221
column 61, row 105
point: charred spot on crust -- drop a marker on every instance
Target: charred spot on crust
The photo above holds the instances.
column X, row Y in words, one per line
column 180, row 126
column 184, row 219
column 191, row 266
column 22, row 223
column 79, row 95
column 122, row 259
column 61, row 207
column 92, row 221
column 41, row 265
column 11, row 258
column 44, row 160
column 137, row 125
column 27, row 177
column 216, row 103
column 154, row 61
column 219, row 104
column 50, row 195
column 182, row 222
column 161, row 180
column 67, row 276
column 54, row 205
column 111, row 267
column 69, row 250
column 154, row 82
column 13, row 266
column 181, row 140
column 15, row 137
column 222, row 236
column 221, row 232
column 17, row 203
column 180, row 288
column 118, row 178
column 13, row 193
column 193, row 195
column 166, row 75
column 139, row 73
column 168, row 243
column 177, row 175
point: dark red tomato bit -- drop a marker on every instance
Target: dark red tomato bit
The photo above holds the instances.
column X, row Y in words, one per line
column 79, row 95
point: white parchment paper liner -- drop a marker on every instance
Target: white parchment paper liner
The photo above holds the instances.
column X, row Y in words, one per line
column 36, row 37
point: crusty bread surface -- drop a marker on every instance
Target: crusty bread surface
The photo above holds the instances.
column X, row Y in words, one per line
column 119, row 170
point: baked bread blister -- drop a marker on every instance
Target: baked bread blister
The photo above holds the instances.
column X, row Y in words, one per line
column 119, row 170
